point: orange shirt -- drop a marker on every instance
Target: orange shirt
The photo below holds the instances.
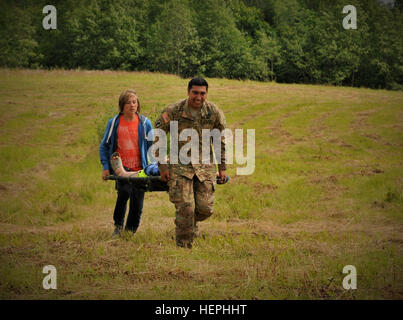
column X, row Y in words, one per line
column 128, row 143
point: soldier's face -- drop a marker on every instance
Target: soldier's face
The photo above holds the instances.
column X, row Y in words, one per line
column 197, row 96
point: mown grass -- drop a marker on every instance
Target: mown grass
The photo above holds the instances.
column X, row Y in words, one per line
column 326, row 192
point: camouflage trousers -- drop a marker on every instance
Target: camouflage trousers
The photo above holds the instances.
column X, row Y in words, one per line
column 193, row 201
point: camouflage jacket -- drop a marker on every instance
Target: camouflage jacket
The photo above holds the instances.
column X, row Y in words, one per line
column 210, row 117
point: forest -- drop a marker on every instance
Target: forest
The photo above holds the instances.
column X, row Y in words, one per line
column 287, row 41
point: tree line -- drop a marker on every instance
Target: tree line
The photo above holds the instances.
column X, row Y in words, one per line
column 293, row 41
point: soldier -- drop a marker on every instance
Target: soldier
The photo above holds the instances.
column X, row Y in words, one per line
column 192, row 185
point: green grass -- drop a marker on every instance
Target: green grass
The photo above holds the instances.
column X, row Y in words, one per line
column 326, row 192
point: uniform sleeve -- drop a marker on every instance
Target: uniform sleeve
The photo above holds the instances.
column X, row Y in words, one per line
column 163, row 120
column 162, row 123
column 221, row 124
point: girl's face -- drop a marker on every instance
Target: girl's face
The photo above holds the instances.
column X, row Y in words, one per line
column 130, row 107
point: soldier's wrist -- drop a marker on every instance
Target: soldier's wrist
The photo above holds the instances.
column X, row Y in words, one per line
column 162, row 167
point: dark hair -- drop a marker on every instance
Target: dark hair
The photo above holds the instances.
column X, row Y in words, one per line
column 197, row 82
column 124, row 97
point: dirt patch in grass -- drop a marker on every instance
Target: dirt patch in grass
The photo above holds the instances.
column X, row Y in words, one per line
column 87, row 225
column 263, row 188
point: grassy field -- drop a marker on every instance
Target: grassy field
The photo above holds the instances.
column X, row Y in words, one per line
column 327, row 192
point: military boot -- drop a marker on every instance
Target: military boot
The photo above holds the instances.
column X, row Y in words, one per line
column 184, row 240
column 184, row 244
column 196, row 230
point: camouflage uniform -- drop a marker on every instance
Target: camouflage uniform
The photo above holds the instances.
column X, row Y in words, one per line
column 191, row 186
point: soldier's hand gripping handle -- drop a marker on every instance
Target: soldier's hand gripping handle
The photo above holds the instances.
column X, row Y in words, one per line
column 222, row 176
column 165, row 175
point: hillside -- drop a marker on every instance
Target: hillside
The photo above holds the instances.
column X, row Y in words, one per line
column 326, row 193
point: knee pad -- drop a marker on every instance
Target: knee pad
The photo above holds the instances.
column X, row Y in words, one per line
column 203, row 212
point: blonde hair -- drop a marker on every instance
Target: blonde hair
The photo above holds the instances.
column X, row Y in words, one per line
column 124, row 97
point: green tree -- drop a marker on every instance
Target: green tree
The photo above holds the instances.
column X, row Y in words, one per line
column 381, row 65
column 268, row 51
column 173, row 45
column 225, row 51
column 104, row 37
column 282, row 40
column 56, row 45
column 18, row 47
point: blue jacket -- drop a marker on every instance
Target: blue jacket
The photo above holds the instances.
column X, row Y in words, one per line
column 109, row 143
